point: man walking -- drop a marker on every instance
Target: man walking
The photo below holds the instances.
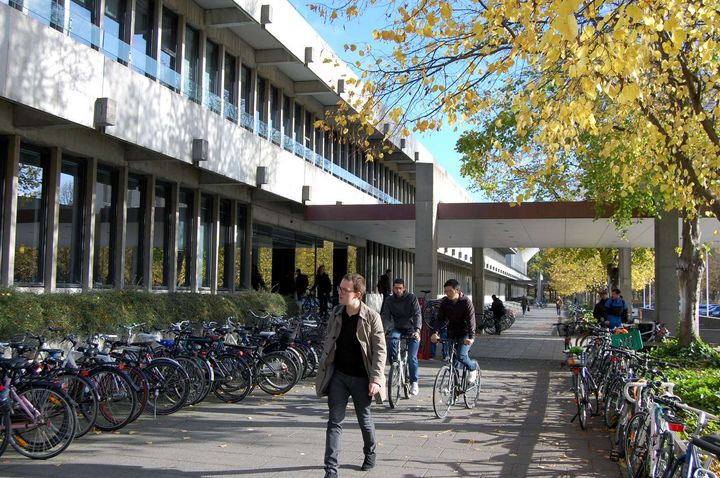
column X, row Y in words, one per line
column 352, row 365
column 524, row 305
column 301, row 284
column 599, row 311
column 383, row 284
column 498, row 310
column 402, row 310
column 616, row 310
column 323, row 286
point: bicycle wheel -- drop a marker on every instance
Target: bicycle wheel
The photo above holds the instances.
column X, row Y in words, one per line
column 472, row 392
column 664, row 456
column 443, row 391
column 276, row 373
column 116, row 398
column 4, row 427
column 199, row 386
column 393, row 384
column 406, row 382
column 84, row 399
column 580, row 401
column 51, row 431
column 169, row 386
column 234, row 379
column 636, row 444
column 141, row 388
column 613, row 403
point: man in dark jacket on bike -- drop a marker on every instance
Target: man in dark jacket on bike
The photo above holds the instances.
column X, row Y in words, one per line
column 498, row 310
column 402, row 310
column 458, row 314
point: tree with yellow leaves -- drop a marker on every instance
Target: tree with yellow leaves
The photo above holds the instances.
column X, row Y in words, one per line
column 630, row 84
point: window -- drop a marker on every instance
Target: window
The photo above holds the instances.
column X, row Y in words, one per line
column 114, row 30
column 328, row 145
column 135, row 232
column 261, row 99
column 230, row 88
column 168, row 49
column 31, row 216
column 83, row 22
column 142, row 40
column 287, row 116
column 105, row 220
column 191, row 62
column 308, row 129
column 161, row 235
column 298, row 123
column 212, row 73
column 225, row 254
column 184, row 237
column 205, row 246
column 70, row 223
column 246, row 89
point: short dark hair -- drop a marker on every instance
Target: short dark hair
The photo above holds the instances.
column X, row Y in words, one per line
column 298, row 270
column 603, row 292
column 494, row 296
column 357, row 280
column 452, row 283
column 387, row 270
column 398, row 280
column 616, row 290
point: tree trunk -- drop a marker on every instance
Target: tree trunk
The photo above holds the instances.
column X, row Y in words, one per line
column 690, row 268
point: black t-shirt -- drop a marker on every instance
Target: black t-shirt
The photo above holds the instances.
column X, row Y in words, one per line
column 348, row 353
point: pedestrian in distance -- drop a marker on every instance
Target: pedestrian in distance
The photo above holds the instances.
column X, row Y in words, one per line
column 558, row 305
column 524, row 304
column 498, row 310
column 402, row 317
column 323, row 287
column 352, row 365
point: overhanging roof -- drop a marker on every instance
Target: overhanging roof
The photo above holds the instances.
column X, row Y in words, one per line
column 540, row 224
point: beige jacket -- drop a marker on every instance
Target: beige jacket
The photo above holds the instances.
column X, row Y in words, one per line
column 371, row 335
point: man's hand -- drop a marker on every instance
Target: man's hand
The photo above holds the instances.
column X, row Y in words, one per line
column 416, row 335
column 434, row 338
column 373, row 389
column 469, row 341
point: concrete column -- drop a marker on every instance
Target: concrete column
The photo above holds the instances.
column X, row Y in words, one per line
column 195, row 264
column 478, row 279
column 89, row 223
column 230, row 268
column 10, row 210
column 247, row 252
column 625, row 276
column 120, row 226
column 667, row 289
column 53, row 208
column 426, row 267
column 215, row 244
column 149, row 235
column 172, row 239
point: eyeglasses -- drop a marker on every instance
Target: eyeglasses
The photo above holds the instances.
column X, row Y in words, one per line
column 347, row 291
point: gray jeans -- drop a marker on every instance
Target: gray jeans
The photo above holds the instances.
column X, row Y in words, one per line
column 340, row 389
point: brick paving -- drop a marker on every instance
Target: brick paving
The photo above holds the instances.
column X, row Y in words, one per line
column 519, row 428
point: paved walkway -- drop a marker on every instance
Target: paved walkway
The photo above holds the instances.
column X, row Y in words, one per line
column 520, row 428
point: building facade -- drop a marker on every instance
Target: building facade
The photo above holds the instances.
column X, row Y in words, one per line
column 167, row 145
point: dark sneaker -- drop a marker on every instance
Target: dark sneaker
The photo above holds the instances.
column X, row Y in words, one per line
column 369, row 462
column 330, row 474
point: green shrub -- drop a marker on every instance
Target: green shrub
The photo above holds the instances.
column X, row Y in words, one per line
column 104, row 311
column 697, row 355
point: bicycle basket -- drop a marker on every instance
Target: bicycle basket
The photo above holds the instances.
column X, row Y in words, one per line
column 632, row 340
column 576, row 360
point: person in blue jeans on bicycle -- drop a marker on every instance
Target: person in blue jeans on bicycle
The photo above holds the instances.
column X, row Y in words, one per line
column 402, row 311
column 458, row 314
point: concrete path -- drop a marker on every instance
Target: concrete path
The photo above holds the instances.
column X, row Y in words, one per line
column 520, row 428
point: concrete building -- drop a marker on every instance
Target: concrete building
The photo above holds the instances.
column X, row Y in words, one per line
column 168, row 145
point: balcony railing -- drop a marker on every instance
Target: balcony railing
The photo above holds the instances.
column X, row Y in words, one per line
column 51, row 13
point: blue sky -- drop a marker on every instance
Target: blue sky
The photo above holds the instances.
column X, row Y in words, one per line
column 441, row 144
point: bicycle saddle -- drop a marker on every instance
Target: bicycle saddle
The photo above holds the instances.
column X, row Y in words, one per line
column 16, row 363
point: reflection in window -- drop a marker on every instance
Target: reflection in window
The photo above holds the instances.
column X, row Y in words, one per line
column 114, row 29
column 30, row 228
column 70, row 224
column 161, row 235
column 205, row 246
column 184, row 237
column 135, row 232
column 104, row 251
column 191, row 63
column 225, row 254
column 240, row 245
column 246, row 89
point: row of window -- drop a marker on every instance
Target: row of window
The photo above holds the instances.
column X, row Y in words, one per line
column 31, row 228
column 262, row 107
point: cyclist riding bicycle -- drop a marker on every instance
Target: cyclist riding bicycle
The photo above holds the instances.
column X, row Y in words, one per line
column 458, row 314
column 402, row 310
